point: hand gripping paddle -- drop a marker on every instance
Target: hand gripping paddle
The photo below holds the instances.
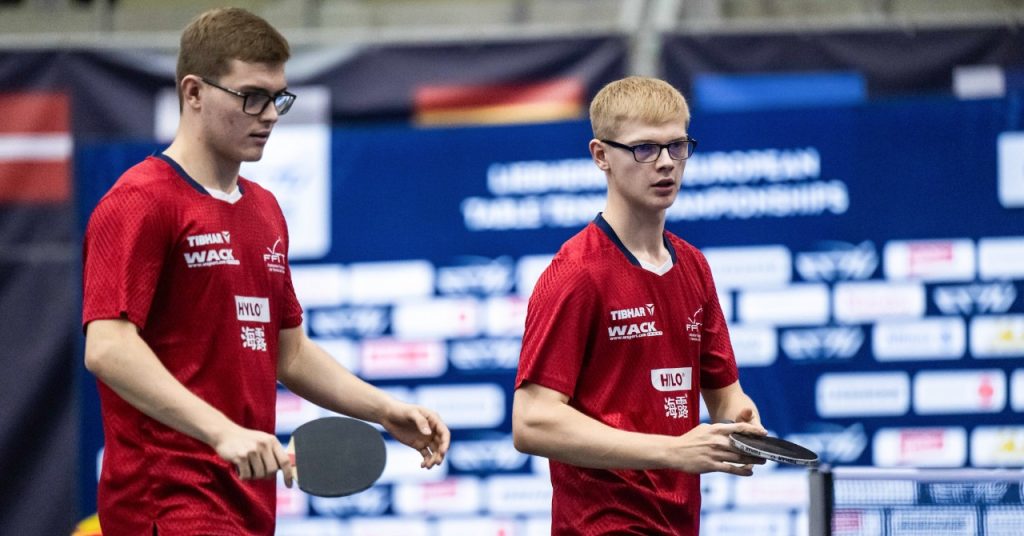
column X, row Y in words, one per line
column 336, row 456
column 773, row 448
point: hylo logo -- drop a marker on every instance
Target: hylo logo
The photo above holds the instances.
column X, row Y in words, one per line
column 250, row 309
column 672, row 379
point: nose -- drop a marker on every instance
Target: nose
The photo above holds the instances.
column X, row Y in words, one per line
column 664, row 160
column 270, row 113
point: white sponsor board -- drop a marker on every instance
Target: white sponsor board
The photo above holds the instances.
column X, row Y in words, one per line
column 477, row 526
column 505, row 316
column 860, row 302
column 480, row 405
column 754, row 266
column 863, row 394
column 291, row 502
column 747, row 523
column 1003, row 521
column 1010, row 148
column 928, row 338
column 856, row 522
column 344, row 351
column 997, row 446
column 518, row 494
column 292, row 411
column 1017, row 390
column 389, row 282
column 317, row 526
column 888, row 492
column 939, row 392
column 716, row 490
column 438, row 318
column 784, row 487
column 459, row 495
column 389, row 358
column 1001, row 258
column 528, row 270
column 947, row 521
column 920, row 447
column 997, row 336
column 754, row 346
column 389, row 526
column 320, row 285
column 800, row 304
column 929, row 260
column 403, row 466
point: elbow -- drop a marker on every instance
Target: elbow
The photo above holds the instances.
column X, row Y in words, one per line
column 524, row 432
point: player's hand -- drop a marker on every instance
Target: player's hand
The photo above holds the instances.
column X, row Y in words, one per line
column 254, row 454
column 707, row 449
column 419, row 428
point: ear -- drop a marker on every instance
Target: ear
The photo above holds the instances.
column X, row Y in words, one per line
column 190, row 91
column 599, row 155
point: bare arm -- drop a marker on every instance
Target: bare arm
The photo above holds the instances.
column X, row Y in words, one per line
column 731, row 404
column 544, row 424
column 118, row 356
column 310, row 372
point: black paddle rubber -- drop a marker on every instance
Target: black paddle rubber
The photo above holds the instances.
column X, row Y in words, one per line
column 337, row 456
column 773, row 448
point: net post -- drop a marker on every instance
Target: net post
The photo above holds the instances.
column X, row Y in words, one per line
column 819, row 514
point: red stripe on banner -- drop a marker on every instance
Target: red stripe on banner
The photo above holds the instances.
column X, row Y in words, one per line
column 35, row 113
column 35, row 181
column 566, row 91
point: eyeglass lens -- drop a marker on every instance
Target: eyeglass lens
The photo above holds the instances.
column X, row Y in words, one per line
column 649, row 152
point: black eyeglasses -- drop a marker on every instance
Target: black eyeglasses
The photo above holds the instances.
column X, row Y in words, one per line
column 256, row 102
column 650, row 152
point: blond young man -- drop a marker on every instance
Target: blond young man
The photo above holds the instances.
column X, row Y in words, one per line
column 623, row 333
column 190, row 323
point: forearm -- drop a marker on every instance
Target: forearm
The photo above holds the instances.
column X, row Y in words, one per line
column 731, row 404
column 119, row 358
column 561, row 432
column 313, row 374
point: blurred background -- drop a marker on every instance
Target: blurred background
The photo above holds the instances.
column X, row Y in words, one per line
column 858, row 190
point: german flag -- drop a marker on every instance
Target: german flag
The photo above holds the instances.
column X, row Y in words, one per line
column 35, row 148
column 535, row 102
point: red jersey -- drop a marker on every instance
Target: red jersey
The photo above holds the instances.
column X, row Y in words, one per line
column 631, row 349
column 208, row 285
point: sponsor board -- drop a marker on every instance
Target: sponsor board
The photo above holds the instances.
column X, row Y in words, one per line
column 929, row 260
column 779, row 488
column 716, row 490
column 292, row 411
column 800, row 304
column 744, row 523
column 485, row 354
column 856, row 522
column 477, row 526
column 1002, row 521
column 997, row 336
column 884, row 492
column 291, row 502
column 518, row 494
column 997, row 446
column 939, row 392
column 389, row 358
column 838, row 261
column 925, row 520
column 754, row 346
column 754, row 266
column 389, row 526
column 1010, row 150
column 862, row 394
column 372, row 502
column 320, row 285
column 860, row 302
column 505, row 316
column 477, row 276
column 363, row 322
column 834, row 443
column 441, row 318
column 345, row 351
column 920, row 447
column 925, row 339
column 976, row 298
column 822, row 344
column 1017, row 390
column 468, row 405
column 1001, row 258
column 456, row 495
column 306, row 527
column 486, row 455
column 389, row 282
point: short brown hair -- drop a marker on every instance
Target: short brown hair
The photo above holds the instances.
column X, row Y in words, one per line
column 635, row 97
column 217, row 36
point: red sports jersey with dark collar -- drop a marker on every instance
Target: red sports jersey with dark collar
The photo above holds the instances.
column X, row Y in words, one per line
column 629, row 348
column 208, row 285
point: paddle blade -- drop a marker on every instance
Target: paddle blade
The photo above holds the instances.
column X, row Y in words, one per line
column 336, row 456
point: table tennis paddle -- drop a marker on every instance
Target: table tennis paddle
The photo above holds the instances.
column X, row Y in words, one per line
column 773, row 448
column 336, row 456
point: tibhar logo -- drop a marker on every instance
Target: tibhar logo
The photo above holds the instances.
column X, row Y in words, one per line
column 633, row 312
column 223, row 237
column 209, row 257
column 693, row 324
column 635, row 330
column 275, row 260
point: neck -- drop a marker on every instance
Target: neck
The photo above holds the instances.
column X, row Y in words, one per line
column 203, row 164
column 642, row 233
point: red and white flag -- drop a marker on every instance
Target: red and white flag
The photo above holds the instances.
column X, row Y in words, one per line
column 35, row 148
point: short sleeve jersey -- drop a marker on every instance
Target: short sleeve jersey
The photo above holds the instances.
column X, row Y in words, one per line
column 631, row 349
column 207, row 284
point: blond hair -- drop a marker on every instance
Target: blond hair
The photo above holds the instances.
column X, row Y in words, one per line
column 649, row 100
column 217, row 36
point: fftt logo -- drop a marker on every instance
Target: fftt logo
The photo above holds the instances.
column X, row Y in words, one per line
column 672, row 379
column 693, row 324
column 275, row 261
column 250, row 309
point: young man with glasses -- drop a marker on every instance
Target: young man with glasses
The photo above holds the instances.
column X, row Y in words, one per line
column 190, row 314
column 623, row 333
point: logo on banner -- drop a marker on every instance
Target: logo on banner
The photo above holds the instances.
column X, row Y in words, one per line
column 838, row 261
